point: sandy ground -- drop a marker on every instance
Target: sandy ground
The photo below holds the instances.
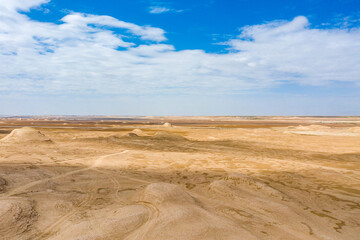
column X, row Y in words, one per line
column 196, row 178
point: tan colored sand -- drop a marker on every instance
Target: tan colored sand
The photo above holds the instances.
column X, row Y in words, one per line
column 189, row 182
column 25, row 134
column 17, row 216
column 167, row 124
column 139, row 132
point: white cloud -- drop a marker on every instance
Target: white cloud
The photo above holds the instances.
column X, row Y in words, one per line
column 291, row 51
column 81, row 55
column 157, row 10
column 82, row 21
column 162, row 9
column 24, row 5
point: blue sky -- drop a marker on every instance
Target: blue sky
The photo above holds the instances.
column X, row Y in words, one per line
column 185, row 57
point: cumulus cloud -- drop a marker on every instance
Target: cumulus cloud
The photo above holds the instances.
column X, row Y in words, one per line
column 83, row 54
column 24, row 5
column 292, row 51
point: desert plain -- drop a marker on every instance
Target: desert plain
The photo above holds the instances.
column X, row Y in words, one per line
column 183, row 178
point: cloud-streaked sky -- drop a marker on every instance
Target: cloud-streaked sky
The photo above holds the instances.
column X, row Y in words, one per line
column 194, row 58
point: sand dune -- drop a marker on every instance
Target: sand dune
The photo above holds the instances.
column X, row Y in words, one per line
column 139, row 132
column 131, row 134
column 25, row 134
column 167, row 124
column 165, row 136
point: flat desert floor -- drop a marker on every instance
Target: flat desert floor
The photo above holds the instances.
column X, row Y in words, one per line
column 184, row 178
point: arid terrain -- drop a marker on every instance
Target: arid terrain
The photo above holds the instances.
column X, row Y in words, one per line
column 184, row 178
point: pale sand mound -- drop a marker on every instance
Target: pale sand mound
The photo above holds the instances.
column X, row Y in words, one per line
column 321, row 130
column 168, row 136
column 3, row 184
column 16, row 217
column 25, row 134
column 167, row 124
column 139, row 132
column 177, row 215
column 130, row 134
column 110, row 224
column 158, row 193
column 310, row 128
